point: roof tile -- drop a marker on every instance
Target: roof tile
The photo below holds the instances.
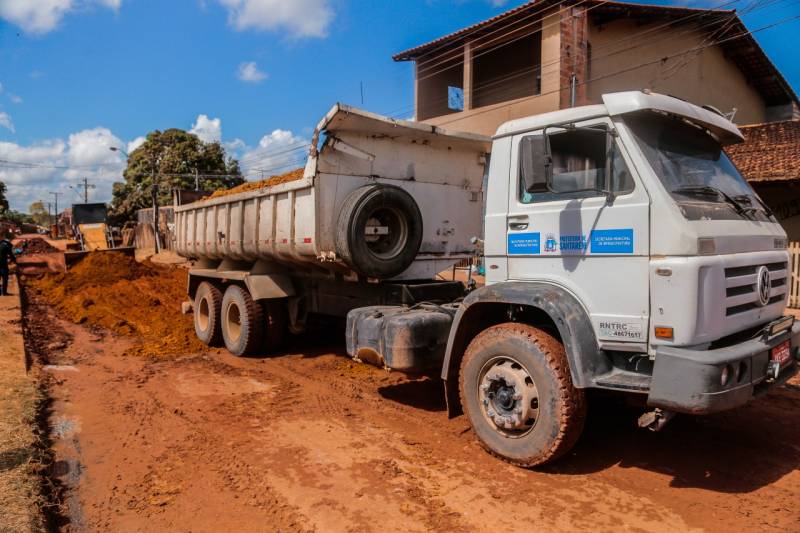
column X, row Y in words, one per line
column 771, row 152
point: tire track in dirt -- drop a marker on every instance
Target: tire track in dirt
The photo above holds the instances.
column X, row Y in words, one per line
column 316, row 442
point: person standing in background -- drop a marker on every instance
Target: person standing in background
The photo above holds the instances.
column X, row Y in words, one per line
column 6, row 257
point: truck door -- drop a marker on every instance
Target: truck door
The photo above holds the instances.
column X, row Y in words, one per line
column 575, row 235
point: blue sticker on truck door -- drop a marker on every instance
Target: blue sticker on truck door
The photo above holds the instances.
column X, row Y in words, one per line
column 524, row 243
column 612, row 241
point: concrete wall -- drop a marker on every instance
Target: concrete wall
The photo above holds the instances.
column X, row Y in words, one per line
column 486, row 120
column 703, row 77
column 434, row 76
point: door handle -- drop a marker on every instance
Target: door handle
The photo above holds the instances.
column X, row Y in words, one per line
column 519, row 222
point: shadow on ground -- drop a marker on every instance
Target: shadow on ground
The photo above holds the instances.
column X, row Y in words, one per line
column 735, row 452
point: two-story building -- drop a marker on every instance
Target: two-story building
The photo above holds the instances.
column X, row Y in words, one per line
column 547, row 55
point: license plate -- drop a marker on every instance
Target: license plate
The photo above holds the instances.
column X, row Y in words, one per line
column 781, row 353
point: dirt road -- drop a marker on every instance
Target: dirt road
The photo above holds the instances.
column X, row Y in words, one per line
column 311, row 441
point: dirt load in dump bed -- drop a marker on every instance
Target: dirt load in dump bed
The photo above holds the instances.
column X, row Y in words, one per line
column 293, row 175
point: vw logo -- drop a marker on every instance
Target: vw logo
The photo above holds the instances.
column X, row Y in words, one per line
column 763, row 286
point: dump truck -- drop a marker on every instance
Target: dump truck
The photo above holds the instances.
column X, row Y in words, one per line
column 623, row 251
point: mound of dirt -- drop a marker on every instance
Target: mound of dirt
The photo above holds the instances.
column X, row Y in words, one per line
column 34, row 246
column 112, row 291
column 293, row 175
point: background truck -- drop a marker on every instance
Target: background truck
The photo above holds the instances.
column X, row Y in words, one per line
column 623, row 251
column 90, row 227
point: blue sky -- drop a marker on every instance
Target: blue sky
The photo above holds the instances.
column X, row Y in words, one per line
column 80, row 75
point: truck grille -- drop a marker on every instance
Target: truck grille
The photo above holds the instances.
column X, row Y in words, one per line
column 741, row 286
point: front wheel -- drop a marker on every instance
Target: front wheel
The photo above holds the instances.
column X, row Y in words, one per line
column 517, row 392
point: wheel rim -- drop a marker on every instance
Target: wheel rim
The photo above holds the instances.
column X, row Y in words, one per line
column 508, row 396
column 204, row 314
column 386, row 232
column 234, row 322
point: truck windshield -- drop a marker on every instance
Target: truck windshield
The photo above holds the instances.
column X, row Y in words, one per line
column 692, row 166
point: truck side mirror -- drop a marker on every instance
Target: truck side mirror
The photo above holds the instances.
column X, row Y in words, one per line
column 535, row 163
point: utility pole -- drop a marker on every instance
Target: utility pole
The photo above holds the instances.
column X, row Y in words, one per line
column 196, row 179
column 55, row 196
column 154, row 193
column 86, row 187
column 49, row 212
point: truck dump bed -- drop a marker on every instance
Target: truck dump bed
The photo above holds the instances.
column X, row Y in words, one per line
column 296, row 223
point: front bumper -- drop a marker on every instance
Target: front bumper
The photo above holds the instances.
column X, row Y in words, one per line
column 690, row 381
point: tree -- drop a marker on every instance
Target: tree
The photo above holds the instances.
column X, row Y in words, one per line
column 166, row 154
column 16, row 217
column 39, row 214
column 3, row 199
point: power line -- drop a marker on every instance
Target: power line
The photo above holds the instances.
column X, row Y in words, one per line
column 715, row 15
column 647, row 63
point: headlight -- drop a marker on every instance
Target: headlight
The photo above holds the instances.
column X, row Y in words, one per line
column 706, row 246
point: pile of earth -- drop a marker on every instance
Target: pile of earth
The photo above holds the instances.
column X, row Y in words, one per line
column 112, row 291
column 292, row 175
column 34, row 246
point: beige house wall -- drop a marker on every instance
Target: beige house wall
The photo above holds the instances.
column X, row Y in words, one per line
column 702, row 77
column 486, row 120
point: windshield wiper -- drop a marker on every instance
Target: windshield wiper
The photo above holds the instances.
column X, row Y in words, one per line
column 745, row 198
column 708, row 190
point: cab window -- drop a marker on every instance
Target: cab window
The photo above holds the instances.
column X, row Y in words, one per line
column 578, row 160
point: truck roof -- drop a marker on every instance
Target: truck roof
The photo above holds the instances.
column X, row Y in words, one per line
column 615, row 104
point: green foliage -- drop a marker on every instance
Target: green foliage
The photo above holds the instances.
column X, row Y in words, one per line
column 173, row 151
column 16, row 217
column 39, row 214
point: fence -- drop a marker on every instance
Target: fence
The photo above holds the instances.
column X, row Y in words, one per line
column 145, row 238
column 794, row 275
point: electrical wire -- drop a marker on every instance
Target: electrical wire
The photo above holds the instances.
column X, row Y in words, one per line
column 647, row 63
column 715, row 15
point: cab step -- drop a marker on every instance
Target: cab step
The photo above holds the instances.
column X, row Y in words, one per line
column 624, row 380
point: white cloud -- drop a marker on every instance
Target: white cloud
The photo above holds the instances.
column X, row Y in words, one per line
column 42, row 16
column 278, row 152
column 61, row 164
column 498, row 3
column 134, row 144
column 92, row 147
column 15, row 99
column 301, row 18
column 55, row 165
column 208, row 129
column 6, row 122
column 249, row 72
column 1, row 88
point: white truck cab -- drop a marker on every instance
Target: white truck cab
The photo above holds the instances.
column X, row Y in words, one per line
column 623, row 245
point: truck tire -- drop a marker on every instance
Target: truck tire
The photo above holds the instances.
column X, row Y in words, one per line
column 379, row 230
column 517, row 392
column 207, row 309
column 276, row 324
column 242, row 322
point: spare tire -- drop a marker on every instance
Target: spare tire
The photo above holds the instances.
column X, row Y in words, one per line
column 379, row 230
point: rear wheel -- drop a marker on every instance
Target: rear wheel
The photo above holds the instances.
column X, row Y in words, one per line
column 517, row 392
column 242, row 322
column 207, row 310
